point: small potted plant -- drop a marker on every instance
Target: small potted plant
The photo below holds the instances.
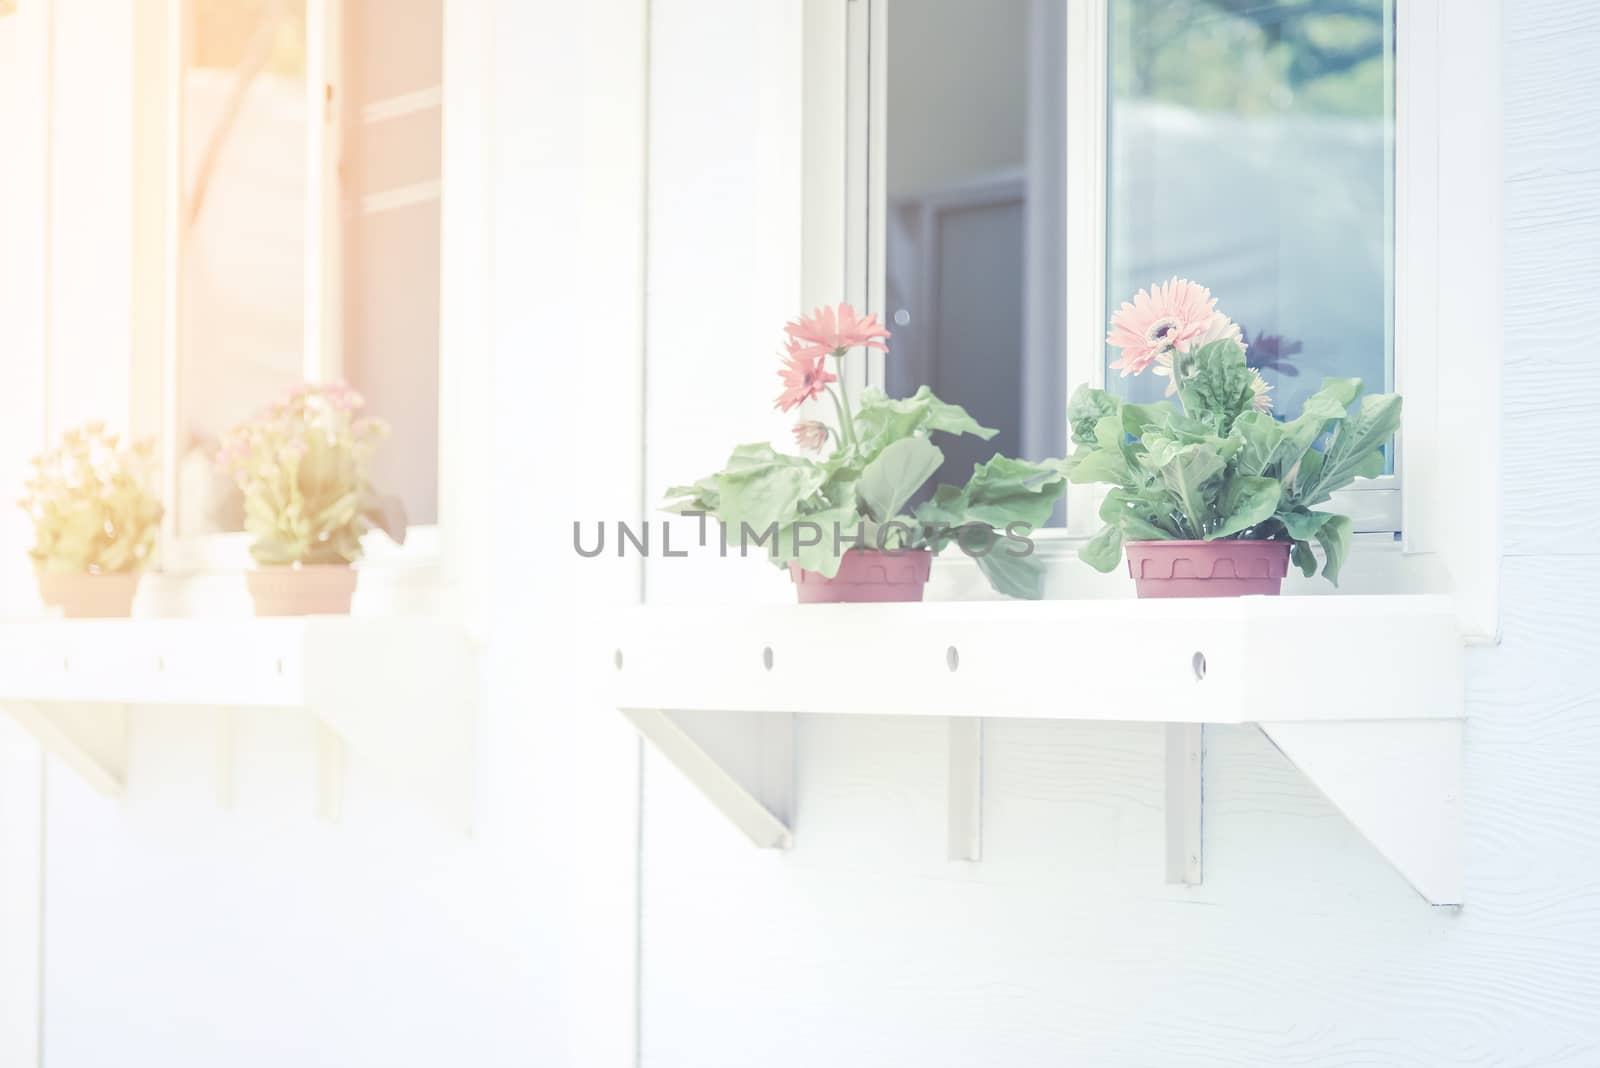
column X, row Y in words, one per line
column 96, row 516
column 1212, row 496
column 302, row 468
column 838, row 517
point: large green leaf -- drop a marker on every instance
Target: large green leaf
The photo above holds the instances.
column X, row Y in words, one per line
column 1245, row 502
column 818, row 541
column 1214, row 383
column 1301, row 523
column 1138, row 517
column 1357, row 448
column 881, row 420
column 765, row 494
column 1089, row 465
column 1334, row 537
column 895, row 474
column 1103, row 551
column 1005, row 491
column 1012, row 575
column 1190, row 473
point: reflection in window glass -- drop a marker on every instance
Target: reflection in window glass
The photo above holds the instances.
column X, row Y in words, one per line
column 246, row 214
column 1251, row 150
column 973, row 143
column 243, row 231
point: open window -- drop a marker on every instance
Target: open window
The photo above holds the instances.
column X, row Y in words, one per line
column 995, row 179
column 301, row 194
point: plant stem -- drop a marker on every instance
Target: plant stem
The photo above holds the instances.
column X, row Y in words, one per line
column 846, row 427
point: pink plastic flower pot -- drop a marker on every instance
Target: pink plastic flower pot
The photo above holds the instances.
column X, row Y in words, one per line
column 1207, row 568
column 317, row 590
column 86, row 596
column 866, row 576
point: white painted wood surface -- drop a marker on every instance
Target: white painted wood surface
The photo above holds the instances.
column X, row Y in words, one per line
column 1384, row 744
column 399, row 691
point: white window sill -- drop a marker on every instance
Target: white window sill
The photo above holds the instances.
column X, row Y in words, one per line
column 1363, row 693
column 397, row 690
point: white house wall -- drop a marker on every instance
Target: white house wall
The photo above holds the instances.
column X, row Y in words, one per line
column 180, row 934
column 863, row 946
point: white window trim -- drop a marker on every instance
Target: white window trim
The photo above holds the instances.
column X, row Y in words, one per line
column 446, row 547
column 1447, row 273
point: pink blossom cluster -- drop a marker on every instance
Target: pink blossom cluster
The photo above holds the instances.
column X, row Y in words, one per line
column 810, row 341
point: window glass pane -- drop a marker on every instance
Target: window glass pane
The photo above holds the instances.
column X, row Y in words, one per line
column 391, row 235
column 243, row 222
column 1251, row 150
column 972, row 168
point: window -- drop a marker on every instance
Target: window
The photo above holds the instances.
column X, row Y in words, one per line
column 304, row 232
column 1040, row 161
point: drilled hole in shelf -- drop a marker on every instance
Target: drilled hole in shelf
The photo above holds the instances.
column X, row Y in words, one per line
column 766, row 658
column 280, row 666
column 616, row 659
column 66, row 664
column 1199, row 665
column 161, row 663
column 952, row 659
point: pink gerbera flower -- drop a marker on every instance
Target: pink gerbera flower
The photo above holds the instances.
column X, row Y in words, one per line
column 1218, row 329
column 804, row 376
column 1164, row 317
column 832, row 331
column 811, row 435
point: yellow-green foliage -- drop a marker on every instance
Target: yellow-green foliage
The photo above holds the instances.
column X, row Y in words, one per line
column 302, row 467
column 93, row 504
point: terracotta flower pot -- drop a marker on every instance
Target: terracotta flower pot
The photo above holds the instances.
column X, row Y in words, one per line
column 1207, row 568
column 302, row 590
column 90, row 596
column 866, row 576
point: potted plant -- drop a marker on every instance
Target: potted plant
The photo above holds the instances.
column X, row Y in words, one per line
column 839, row 517
column 1212, row 496
column 302, row 468
column 96, row 516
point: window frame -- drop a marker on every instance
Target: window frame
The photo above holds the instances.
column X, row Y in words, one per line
column 1448, row 282
column 158, row 242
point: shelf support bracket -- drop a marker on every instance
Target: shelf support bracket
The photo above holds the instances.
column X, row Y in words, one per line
column 965, row 789
column 91, row 739
column 744, row 808
column 1185, row 802
column 1398, row 782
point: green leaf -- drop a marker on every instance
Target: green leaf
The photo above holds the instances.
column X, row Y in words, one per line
column 817, row 542
column 1357, row 448
column 1246, row 501
column 1005, row 491
column 1304, row 558
column 1138, row 518
column 1090, row 464
column 762, row 487
column 947, row 508
column 881, row 420
column 1139, row 418
column 1302, row 524
column 1103, row 551
column 1012, row 575
column 1334, row 537
column 1190, row 474
column 700, row 497
column 1086, row 408
column 1214, row 383
column 896, row 473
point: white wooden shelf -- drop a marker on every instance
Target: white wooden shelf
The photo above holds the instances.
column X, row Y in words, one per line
column 1364, row 694
column 398, row 690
